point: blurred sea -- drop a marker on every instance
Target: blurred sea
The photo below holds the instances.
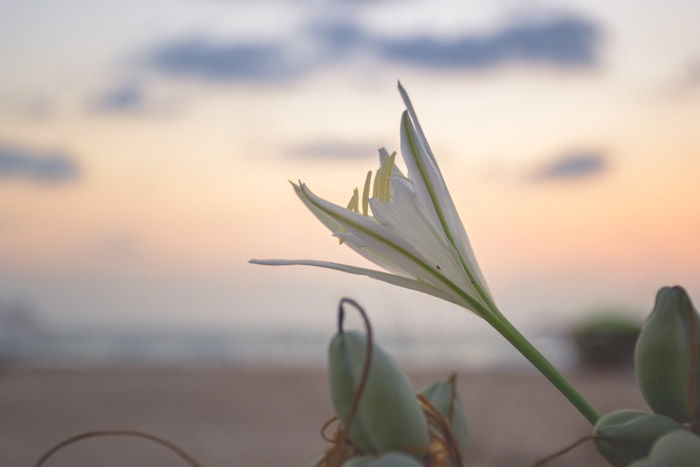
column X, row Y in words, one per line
column 253, row 348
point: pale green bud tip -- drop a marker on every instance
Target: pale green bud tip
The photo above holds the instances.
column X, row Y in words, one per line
column 672, row 299
column 641, row 463
column 392, row 459
column 667, row 355
column 315, row 462
column 678, row 449
column 625, row 436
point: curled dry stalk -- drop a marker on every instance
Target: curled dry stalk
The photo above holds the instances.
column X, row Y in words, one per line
column 452, row 381
column 561, row 452
column 342, row 448
column 325, row 426
column 368, row 353
column 181, row 453
column 443, row 443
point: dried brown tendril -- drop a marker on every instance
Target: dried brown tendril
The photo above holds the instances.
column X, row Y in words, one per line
column 564, row 450
column 443, row 442
column 342, row 447
column 130, row 433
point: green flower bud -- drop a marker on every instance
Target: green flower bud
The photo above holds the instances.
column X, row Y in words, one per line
column 667, row 354
column 641, row 463
column 443, row 395
column 627, row 435
column 389, row 417
column 678, row 449
column 315, row 462
column 392, row 459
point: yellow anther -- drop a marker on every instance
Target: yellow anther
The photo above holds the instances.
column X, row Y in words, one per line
column 377, row 182
column 382, row 179
column 354, row 201
column 388, row 170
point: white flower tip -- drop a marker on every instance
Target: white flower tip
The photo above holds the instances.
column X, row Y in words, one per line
column 404, row 97
column 271, row 262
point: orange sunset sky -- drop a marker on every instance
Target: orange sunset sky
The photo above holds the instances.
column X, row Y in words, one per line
column 145, row 149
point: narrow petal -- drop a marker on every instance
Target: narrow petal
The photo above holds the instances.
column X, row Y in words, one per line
column 378, row 243
column 379, row 275
column 365, row 235
column 431, row 189
column 419, row 129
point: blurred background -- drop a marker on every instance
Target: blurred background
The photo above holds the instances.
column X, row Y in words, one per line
column 145, row 149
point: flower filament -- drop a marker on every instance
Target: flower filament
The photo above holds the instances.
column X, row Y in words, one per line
column 381, row 189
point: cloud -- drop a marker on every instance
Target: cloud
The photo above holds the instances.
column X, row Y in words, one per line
column 339, row 36
column 334, row 150
column 129, row 98
column 38, row 108
column 48, row 167
column 564, row 42
column 124, row 98
column 200, row 58
column 574, row 165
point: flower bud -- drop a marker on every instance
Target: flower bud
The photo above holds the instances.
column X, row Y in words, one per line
column 667, row 354
column 627, row 435
column 388, row 417
column 641, row 463
column 315, row 462
column 392, row 459
column 678, row 449
column 443, row 395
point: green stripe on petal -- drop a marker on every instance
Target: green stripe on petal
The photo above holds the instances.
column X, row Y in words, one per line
column 431, row 188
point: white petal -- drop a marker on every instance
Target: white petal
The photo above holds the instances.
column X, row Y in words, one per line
column 365, row 235
column 431, row 189
column 412, row 113
column 376, row 242
column 404, row 216
column 379, row 275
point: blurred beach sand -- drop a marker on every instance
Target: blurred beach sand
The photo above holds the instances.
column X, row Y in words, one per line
column 267, row 417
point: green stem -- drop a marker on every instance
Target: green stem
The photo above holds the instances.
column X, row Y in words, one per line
column 520, row 342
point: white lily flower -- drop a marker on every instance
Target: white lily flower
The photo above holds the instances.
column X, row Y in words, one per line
column 414, row 231
column 416, row 235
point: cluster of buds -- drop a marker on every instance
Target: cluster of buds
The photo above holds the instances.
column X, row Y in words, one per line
column 383, row 422
column 666, row 363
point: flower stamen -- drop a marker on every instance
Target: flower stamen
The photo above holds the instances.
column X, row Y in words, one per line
column 389, row 169
column 382, row 179
column 365, row 194
column 377, row 179
column 353, row 205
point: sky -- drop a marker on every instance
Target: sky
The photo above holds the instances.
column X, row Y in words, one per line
column 145, row 149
